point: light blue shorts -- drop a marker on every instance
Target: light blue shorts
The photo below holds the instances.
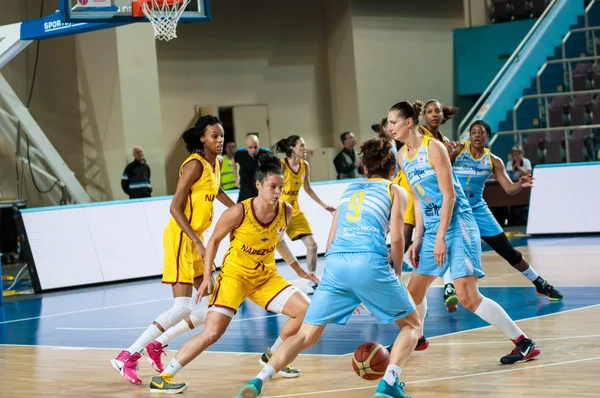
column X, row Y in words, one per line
column 488, row 226
column 463, row 249
column 354, row 278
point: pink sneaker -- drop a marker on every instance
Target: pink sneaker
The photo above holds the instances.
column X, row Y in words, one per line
column 155, row 351
column 127, row 365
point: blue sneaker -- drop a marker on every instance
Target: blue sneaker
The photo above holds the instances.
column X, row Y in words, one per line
column 385, row 391
column 406, row 267
column 251, row 390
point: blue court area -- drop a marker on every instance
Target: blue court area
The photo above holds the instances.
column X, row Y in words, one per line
column 113, row 316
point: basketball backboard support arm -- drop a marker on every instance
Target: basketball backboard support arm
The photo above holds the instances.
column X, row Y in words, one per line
column 53, row 26
column 67, row 177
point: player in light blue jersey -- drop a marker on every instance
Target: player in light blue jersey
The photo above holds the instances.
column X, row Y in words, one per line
column 473, row 165
column 446, row 235
column 357, row 271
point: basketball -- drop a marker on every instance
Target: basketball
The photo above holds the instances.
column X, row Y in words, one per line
column 370, row 361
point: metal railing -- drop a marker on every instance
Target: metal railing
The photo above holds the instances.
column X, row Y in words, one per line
column 586, row 25
column 560, row 61
column 545, row 97
column 564, row 49
column 505, row 67
column 566, row 129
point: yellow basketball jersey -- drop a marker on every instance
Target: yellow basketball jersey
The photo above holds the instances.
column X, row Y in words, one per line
column 199, row 209
column 429, row 134
column 252, row 244
column 292, row 182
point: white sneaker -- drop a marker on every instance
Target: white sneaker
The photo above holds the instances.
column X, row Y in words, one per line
column 310, row 289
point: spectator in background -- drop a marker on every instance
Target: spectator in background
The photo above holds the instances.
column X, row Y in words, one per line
column 247, row 159
column 347, row 163
column 136, row 176
column 518, row 166
column 228, row 180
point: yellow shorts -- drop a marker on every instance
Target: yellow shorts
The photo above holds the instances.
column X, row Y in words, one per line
column 298, row 226
column 182, row 262
column 232, row 288
column 409, row 213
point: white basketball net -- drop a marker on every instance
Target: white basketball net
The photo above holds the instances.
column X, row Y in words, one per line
column 164, row 17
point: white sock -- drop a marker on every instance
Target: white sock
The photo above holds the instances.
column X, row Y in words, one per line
column 266, row 374
column 198, row 317
column 276, row 344
column 422, row 310
column 448, row 278
column 149, row 335
column 172, row 368
column 181, row 307
column 530, row 274
column 495, row 315
column 392, row 373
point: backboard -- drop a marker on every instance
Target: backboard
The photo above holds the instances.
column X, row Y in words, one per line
column 121, row 11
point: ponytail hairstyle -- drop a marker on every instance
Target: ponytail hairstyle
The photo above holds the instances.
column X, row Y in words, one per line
column 483, row 124
column 408, row 110
column 448, row 111
column 268, row 163
column 285, row 145
column 377, row 156
column 383, row 127
column 191, row 136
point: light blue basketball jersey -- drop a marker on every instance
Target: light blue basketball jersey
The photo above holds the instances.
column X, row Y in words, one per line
column 423, row 178
column 363, row 218
column 473, row 173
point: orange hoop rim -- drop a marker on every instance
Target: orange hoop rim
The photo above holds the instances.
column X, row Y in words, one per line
column 136, row 5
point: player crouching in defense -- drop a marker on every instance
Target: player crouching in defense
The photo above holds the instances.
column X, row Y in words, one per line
column 256, row 227
column 357, row 270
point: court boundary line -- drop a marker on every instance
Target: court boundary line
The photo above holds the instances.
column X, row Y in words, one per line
column 73, row 348
column 443, row 378
column 491, row 326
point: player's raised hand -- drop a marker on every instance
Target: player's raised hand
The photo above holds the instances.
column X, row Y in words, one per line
column 330, row 209
column 526, row 181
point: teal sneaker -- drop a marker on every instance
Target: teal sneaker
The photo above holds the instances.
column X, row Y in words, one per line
column 385, row 391
column 251, row 390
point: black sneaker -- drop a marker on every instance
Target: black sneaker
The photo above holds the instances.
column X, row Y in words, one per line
column 525, row 349
column 166, row 385
column 543, row 288
column 450, row 298
column 289, row 371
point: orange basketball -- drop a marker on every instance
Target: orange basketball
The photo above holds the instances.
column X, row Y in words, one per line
column 370, row 361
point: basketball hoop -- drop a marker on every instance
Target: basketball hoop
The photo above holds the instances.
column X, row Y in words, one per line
column 162, row 14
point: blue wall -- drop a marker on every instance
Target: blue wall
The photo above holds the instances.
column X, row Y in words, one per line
column 480, row 52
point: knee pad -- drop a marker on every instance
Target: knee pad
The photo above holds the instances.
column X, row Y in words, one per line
column 182, row 307
column 198, row 316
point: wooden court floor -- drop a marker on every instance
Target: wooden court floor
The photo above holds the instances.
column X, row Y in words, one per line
column 464, row 363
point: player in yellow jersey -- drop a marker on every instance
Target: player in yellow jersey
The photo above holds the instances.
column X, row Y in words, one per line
column 296, row 173
column 192, row 210
column 256, row 227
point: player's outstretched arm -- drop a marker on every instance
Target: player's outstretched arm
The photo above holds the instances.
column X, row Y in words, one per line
column 308, row 189
column 287, row 255
column 509, row 187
